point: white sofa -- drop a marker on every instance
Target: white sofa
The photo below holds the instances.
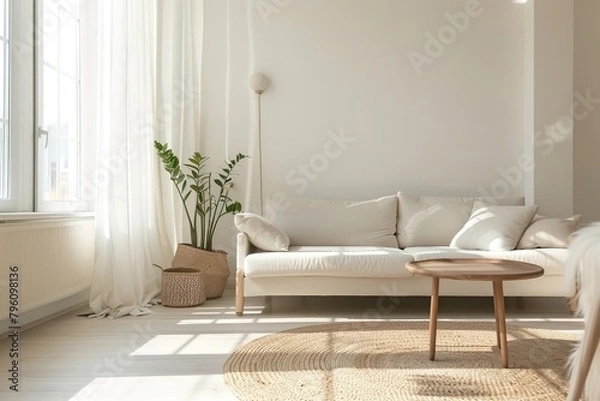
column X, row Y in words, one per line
column 361, row 248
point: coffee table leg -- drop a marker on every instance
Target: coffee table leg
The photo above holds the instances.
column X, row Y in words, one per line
column 433, row 314
column 501, row 321
column 497, row 323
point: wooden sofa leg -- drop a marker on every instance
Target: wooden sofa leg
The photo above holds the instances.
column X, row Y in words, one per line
column 239, row 293
column 572, row 304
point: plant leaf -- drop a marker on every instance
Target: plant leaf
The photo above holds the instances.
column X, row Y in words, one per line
column 234, row 207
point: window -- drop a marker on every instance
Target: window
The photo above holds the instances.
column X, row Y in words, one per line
column 58, row 100
column 41, row 145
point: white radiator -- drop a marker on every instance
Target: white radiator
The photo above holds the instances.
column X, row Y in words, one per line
column 54, row 259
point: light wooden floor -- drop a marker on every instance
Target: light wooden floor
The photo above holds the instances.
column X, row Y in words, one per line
column 178, row 354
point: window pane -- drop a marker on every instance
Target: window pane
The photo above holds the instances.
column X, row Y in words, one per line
column 50, row 28
column 17, row 103
column 50, row 99
column 58, row 151
column 5, row 152
column 72, row 165
column 4, row 161
column 69, row 108
column 70, row 6
column 3, row 81
column 3, row 17
column 68, row 44
column 50, row 185
column 61, row 184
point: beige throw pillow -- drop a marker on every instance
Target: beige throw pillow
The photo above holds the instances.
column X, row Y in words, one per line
column 262, row 233
column 430, row 220
column 326, row 222
column 435, row 220
column 545, row 232
column 493, row 227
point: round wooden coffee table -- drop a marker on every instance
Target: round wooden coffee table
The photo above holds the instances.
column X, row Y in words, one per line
column 476, row 269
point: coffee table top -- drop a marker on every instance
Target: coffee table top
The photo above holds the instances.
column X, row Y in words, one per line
column 475, row 269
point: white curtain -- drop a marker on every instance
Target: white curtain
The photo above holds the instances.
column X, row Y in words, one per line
column 149, row 89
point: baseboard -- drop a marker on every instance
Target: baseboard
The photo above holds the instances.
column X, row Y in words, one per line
column 44, row 313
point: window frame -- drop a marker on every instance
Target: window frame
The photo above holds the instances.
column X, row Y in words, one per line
column 5, row 119
column 21, row 96
column 25, row 109
column 41, row 133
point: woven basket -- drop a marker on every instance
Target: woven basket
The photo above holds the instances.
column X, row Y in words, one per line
column 182, row 286
column 212, row 264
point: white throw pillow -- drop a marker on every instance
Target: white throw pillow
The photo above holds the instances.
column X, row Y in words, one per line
column 493, row 227
column 545, row 232
column 430, row 220
column 435, row 220
column 262, row 233
column 339, row 222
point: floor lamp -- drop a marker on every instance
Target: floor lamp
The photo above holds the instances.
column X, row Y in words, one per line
column 258, row 83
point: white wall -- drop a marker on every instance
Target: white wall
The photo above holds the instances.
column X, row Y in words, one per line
column 549, row 98
column 458, row 123
column 444, row 127
column 587, row 128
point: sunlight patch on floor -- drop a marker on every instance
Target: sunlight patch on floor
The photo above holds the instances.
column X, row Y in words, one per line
column 199, row 344
column 164, row 344
column 265, row 320
column 144, row 388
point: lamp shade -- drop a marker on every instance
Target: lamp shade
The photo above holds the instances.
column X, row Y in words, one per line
column 258, row 82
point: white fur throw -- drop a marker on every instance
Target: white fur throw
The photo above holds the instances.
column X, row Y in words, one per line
column 583, row 267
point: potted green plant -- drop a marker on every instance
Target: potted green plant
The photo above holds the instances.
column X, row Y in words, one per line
column 209, row 202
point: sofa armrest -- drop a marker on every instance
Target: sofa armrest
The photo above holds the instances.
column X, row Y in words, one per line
column 243, row 249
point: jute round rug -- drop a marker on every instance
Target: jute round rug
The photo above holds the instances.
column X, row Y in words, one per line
column 390, row 361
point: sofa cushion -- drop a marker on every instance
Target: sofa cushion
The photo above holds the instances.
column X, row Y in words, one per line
column 545, row 232
column 435, row 220
column 334, row 222
column 493, row 227
column 261, row 233
column 430, row 220
column 336, row 261
column 551, row 259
